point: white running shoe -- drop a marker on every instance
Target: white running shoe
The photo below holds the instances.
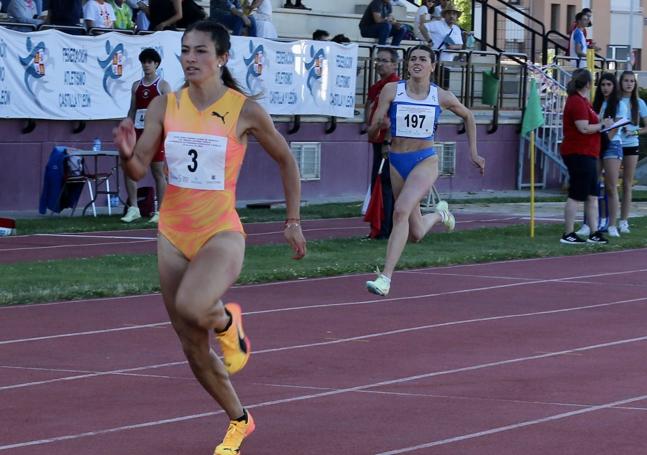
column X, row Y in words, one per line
column 380, row 286
column 442, row 208
column 613, row 231
column 584, row 231
column 623, row 226
column 155, row 218
column 131, row 215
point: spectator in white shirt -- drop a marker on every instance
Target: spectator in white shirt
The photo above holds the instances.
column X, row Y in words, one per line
column 446, row 34
column 98, row 13
column 24, row 11
column 262, row 12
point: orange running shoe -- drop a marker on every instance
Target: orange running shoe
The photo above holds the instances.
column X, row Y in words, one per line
column 235, row 346
column 236, row 434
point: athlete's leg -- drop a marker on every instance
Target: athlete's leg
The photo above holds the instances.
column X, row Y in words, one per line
column 408, row 196
column 611, row 171
column 157, row 167
column 628, row 171
column 192, row 292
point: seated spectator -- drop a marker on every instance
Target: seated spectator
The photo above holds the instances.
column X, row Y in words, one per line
column 123, row 15
column 378, row 22
column 423, row 15
column 446, row 34
column 340, row 39
column 262, row 13
column 230, row 14
column 24, row 11
column 172, row 14
column 98, row 13
column 65, row 12
column 320, row 35
column 296, row 5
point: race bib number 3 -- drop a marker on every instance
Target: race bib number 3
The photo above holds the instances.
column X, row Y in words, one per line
column 140, row 116
column 415, row 121
column 196, row 161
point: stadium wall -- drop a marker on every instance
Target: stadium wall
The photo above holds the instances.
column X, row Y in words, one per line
column 345, row 162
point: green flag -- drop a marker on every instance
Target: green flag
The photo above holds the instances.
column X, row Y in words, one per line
column 533, row 117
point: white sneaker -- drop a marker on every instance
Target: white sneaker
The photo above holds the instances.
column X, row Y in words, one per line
column 380, row 286
column 603, row 224
column 442, row 208
column 131, row 215
column 613, row 231
column 623, row 225
column 155, row 218
column 584, row 231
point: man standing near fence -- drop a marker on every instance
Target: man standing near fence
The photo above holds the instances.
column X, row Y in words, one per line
column 386, row 65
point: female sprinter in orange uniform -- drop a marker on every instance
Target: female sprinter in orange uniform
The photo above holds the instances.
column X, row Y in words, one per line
column 414, row 106
column 204, row 127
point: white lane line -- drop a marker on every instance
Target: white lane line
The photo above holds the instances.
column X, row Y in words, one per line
column 89, row 332
column 124, row 371
column 336, row 277
column 344, row 340
column 347, row 228
column 456, row 397
column 347, row 390
column 72, row 245
column 566, row 280
column 516, row 426
column 93, row 236
column 62, row 370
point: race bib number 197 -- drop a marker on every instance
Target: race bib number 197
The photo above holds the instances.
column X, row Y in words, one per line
column 416, row 121
column 196, row 161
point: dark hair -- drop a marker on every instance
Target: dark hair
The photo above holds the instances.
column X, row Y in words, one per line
column 586, row 11
column 578, row 16
column 150, row 55
column 340, row 39
column 633, row 98
column 220, row 37
column 422, row 47
column 580, row 78
column 612, row 100
column 391, row 51
column 319, row 35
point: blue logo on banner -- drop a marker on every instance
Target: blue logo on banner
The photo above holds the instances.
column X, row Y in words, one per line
column 113, row 64
column 314, row 67
column 34, row 64
column 254, row 63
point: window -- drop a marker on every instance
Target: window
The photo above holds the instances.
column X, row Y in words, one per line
column 570, row 17
column 308, row 157
column 555, row 11
column 447, row 158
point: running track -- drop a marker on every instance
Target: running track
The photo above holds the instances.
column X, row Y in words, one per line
column 541, row 356
column 143, row 241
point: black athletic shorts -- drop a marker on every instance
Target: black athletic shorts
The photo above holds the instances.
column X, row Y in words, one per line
column 583, row 176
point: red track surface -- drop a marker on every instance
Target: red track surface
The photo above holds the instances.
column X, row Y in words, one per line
column 541, row 356
column 63, row 246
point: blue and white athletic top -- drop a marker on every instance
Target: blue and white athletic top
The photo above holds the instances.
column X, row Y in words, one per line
column 628, row 137
column 417, row 119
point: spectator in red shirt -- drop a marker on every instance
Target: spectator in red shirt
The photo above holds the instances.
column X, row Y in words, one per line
column 580, row 151
column 386, row 68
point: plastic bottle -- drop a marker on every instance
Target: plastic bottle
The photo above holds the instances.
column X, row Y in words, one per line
column 469, row 41
column 96, row 147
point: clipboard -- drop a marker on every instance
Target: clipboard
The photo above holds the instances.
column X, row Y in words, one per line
column 618, row 124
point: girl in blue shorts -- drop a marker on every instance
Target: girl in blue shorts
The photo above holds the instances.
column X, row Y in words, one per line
column 411, row 110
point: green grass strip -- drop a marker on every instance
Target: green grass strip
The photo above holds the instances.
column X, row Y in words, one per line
column 116, row 275
column 58, row 224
